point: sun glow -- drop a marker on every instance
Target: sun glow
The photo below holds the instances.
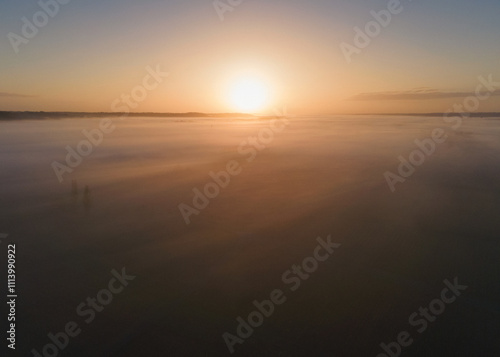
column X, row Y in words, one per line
column 249, row 94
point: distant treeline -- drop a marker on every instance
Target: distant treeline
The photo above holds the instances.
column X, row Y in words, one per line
column 61, row 115
column 4, row 115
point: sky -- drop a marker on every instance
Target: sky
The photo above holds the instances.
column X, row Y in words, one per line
column 90, row 54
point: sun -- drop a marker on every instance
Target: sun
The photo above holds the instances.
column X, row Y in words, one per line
column 249, row 94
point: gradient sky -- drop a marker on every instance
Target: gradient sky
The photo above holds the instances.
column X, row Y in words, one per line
column 92, row 51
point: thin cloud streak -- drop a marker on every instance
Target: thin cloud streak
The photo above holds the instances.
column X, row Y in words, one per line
column 415, row 94
column 15, row 95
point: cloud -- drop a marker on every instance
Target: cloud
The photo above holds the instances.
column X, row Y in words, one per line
column 14, row 95
column 423, row 93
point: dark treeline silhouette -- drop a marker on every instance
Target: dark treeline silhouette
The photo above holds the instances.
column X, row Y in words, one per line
column 5, row 115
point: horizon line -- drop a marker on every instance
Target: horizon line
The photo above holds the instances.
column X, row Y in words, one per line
column 14, row 113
